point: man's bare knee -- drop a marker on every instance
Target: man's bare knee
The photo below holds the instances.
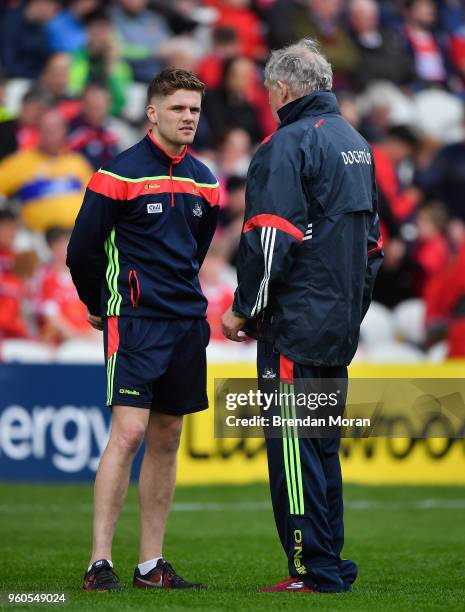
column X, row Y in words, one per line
column 128, row 430
column 165, row 434
column 129, row 440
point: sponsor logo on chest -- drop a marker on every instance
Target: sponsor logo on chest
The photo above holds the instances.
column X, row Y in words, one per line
column 197, row 211
column 154, row 207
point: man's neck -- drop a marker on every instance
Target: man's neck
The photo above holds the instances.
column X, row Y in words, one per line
column 171, row 147
column 48, row 153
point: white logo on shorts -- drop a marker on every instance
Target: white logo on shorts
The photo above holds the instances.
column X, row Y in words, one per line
column 269, row 373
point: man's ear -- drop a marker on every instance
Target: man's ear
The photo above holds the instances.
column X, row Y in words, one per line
column 283, row 89
column 151, row 112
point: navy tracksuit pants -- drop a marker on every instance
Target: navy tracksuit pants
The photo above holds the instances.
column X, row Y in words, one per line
column 306, row 488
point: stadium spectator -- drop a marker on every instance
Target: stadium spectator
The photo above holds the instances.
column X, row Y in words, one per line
column 140, row 32
column 62, row 315
column 225, row 46
column 15, row 271
column 100, row 60
column 89, row 134
column 321, row 19
column 445, row 306
column 420, row 21
column 431, row 251
column 66, row 31
column 5, row 114
column 54, row 80
column 23, row 39
column 237, row 14
column 274, row 15
column 47, row 182
column 381, row 55
column 231, row 217
column 180, row 52
column 216, row 288
column 349, row 109
column 12, row 295
column 445, row 179
column 235, row 152
column 8, row 230
column 228, row 106
column 396, row 203
column 22, row 132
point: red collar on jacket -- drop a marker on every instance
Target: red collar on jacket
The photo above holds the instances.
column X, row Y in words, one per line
column 175, row 159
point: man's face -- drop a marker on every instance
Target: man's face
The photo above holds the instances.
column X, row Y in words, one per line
column 56, row 74
column 278, row 96
column 8, row 231
column 99, row 36
column 59, row 249
column 52, row 132
column 95, row 105
column 133, row 6
column 364, row 16
column 423, row 13
column 176, row 116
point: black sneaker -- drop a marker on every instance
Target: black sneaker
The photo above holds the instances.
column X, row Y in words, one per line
column 101, row 577
column 162, row 576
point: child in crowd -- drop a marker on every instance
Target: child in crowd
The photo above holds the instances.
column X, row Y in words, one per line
column 12, row 285
column 431, row 252
column 216, row 288
column 61, row 314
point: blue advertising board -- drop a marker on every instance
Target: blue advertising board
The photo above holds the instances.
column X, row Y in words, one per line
column 54, row 424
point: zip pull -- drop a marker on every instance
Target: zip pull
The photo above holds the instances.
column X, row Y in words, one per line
column 172, row 185
column 134, row 291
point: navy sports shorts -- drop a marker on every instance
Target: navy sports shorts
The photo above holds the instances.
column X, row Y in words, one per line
column 159, row 364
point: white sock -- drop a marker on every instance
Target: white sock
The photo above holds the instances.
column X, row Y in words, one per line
column 109, row 561
column 146, row 566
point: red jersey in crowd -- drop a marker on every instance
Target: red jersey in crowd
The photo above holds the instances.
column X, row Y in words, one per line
column 428, row 58
column 219, row 299
column 445, row 303
column 7, row 260
column 12, row 292
column 58, row 297
column 401, row 203
column 432, row 256
column 245, row 23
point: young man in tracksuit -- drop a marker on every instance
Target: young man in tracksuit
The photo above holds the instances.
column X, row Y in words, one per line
column 309, row 253
column 140, row 238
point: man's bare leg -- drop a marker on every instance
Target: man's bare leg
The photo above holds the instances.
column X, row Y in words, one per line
column 157, row 482
column 111, row 484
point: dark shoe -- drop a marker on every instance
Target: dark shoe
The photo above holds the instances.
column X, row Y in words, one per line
column 162, row 576
column 290, row 585
column 101, row 577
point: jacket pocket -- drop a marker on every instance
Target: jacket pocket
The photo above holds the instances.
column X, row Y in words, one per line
column 134, row 288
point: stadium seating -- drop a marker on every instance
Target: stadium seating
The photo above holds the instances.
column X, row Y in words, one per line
column 25, row 351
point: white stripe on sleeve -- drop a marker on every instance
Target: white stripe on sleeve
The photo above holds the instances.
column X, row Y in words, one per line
column 268, row 237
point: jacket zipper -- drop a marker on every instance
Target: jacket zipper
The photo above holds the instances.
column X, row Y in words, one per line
column 134, row 288
column 172, row 185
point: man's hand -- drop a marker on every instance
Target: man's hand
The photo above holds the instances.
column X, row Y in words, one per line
column 96, row 322
column 231, row 325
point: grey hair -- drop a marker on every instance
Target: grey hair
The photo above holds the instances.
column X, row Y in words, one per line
column 301, row 66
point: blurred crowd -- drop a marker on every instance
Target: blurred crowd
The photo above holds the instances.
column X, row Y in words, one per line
column 73, row 77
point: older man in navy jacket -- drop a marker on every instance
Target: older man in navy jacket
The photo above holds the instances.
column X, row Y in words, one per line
column 309, row 254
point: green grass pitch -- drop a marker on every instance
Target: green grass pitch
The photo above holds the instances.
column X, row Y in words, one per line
column 409, row 543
